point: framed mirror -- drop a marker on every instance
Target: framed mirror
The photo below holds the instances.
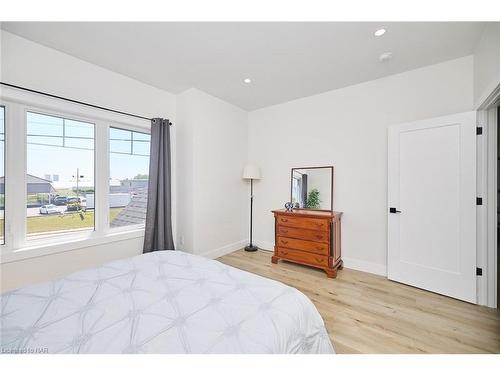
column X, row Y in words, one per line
column 312, row 188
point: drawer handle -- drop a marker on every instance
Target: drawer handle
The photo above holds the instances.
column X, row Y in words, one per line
column 284, row 231
column 284, row 220
column 319, row 236
column 284, row 252
column 319, row 260
column 318, row 224
column 319, row 248
column 284, row 242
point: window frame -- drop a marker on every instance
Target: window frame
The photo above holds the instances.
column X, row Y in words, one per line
column 16, row 243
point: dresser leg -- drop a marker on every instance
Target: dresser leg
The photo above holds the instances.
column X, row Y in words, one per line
column 274, row 259
column 331, row 273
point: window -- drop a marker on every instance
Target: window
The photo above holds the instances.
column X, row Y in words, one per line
column 60, row 174
column 129, row 168
column 2, row 174
column 73, row 160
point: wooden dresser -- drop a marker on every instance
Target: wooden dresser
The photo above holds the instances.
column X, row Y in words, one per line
column 309, row 237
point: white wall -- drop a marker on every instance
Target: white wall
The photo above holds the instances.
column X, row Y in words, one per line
column 29, row 64
column 487, row 63
column 49, row 267
column 347, row 128
column 212, row 198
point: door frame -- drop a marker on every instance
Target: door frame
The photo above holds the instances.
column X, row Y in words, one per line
column 487, row 186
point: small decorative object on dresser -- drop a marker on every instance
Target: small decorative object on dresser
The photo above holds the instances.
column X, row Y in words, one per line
column 288, row 206
column 309, row 237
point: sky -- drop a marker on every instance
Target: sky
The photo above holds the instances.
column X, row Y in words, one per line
column 57, row 146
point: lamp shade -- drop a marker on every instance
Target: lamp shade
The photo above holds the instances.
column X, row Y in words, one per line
column 251, row 172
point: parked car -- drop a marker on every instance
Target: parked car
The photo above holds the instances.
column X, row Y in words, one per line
column 60, row 201
column 75, row 206
column 73, row 200
column 48, row 209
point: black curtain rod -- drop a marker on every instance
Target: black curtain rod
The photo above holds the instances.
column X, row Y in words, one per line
column 76, row 101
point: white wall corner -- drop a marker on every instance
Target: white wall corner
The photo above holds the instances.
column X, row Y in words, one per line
column 224, row 250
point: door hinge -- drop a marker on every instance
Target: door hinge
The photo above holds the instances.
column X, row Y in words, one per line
column 479, row 271
column 479, row 201
column 479, row 130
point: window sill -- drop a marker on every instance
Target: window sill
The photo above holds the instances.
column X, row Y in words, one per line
column 60, row 245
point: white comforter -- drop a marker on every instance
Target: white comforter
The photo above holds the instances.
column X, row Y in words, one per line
column 162, row 302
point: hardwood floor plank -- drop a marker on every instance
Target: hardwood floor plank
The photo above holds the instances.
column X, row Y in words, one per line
column 366, row 313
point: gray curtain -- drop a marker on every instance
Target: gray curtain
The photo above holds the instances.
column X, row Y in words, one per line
column 158, row 234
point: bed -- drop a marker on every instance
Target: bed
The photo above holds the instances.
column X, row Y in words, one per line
column 161, row 302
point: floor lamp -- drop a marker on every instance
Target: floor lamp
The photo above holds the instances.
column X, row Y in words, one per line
column 251, row 172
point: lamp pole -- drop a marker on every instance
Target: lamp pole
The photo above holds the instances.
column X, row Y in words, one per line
column 251, row 247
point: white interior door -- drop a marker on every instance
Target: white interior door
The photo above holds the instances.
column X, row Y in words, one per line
column 432, row 181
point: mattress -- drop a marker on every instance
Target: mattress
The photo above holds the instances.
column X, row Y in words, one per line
column 161, row 302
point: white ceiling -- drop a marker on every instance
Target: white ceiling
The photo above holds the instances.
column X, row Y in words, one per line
column 285, row 60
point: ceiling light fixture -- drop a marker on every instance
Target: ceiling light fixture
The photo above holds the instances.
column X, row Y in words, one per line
column 247, row 80
column 380, row 32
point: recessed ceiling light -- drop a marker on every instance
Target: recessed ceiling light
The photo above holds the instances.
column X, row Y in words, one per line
column 385, row 56
column 379, row 32
column 247, row 80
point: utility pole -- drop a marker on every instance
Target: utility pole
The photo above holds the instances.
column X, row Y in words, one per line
column 77, row 182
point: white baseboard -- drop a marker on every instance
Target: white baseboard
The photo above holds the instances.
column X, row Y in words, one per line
column 215, row 253
column 355, row 264
column 362, row 265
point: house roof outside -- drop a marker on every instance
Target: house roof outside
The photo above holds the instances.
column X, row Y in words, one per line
column 36, row 185
column 135, row 212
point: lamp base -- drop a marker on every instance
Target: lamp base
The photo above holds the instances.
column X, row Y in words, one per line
column 251, row 248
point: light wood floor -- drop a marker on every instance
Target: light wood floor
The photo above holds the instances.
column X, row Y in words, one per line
column 366, row 313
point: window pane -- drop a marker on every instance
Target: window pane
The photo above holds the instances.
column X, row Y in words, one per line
column 123, row 147
column 120, row 134
column 41, row 140
column 38, row 124
column 78, row 129
column 128, row 178
column 79, row 143
column 141, row 148
column 60, row 168
column 2, row 174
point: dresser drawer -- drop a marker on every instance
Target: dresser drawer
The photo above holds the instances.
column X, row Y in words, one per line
column 303, row 234
column 303, row 222
column 303, row 257
column 309, row 246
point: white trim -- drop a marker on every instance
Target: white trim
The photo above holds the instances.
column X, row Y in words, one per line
column 490, row 97
column 482, row 211
column 224, row 250
column 489, row 284
column 65, row 245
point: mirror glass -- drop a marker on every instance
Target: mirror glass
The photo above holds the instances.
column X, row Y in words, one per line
column 312, row 188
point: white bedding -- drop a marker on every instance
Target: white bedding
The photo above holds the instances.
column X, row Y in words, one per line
column 161, row 302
